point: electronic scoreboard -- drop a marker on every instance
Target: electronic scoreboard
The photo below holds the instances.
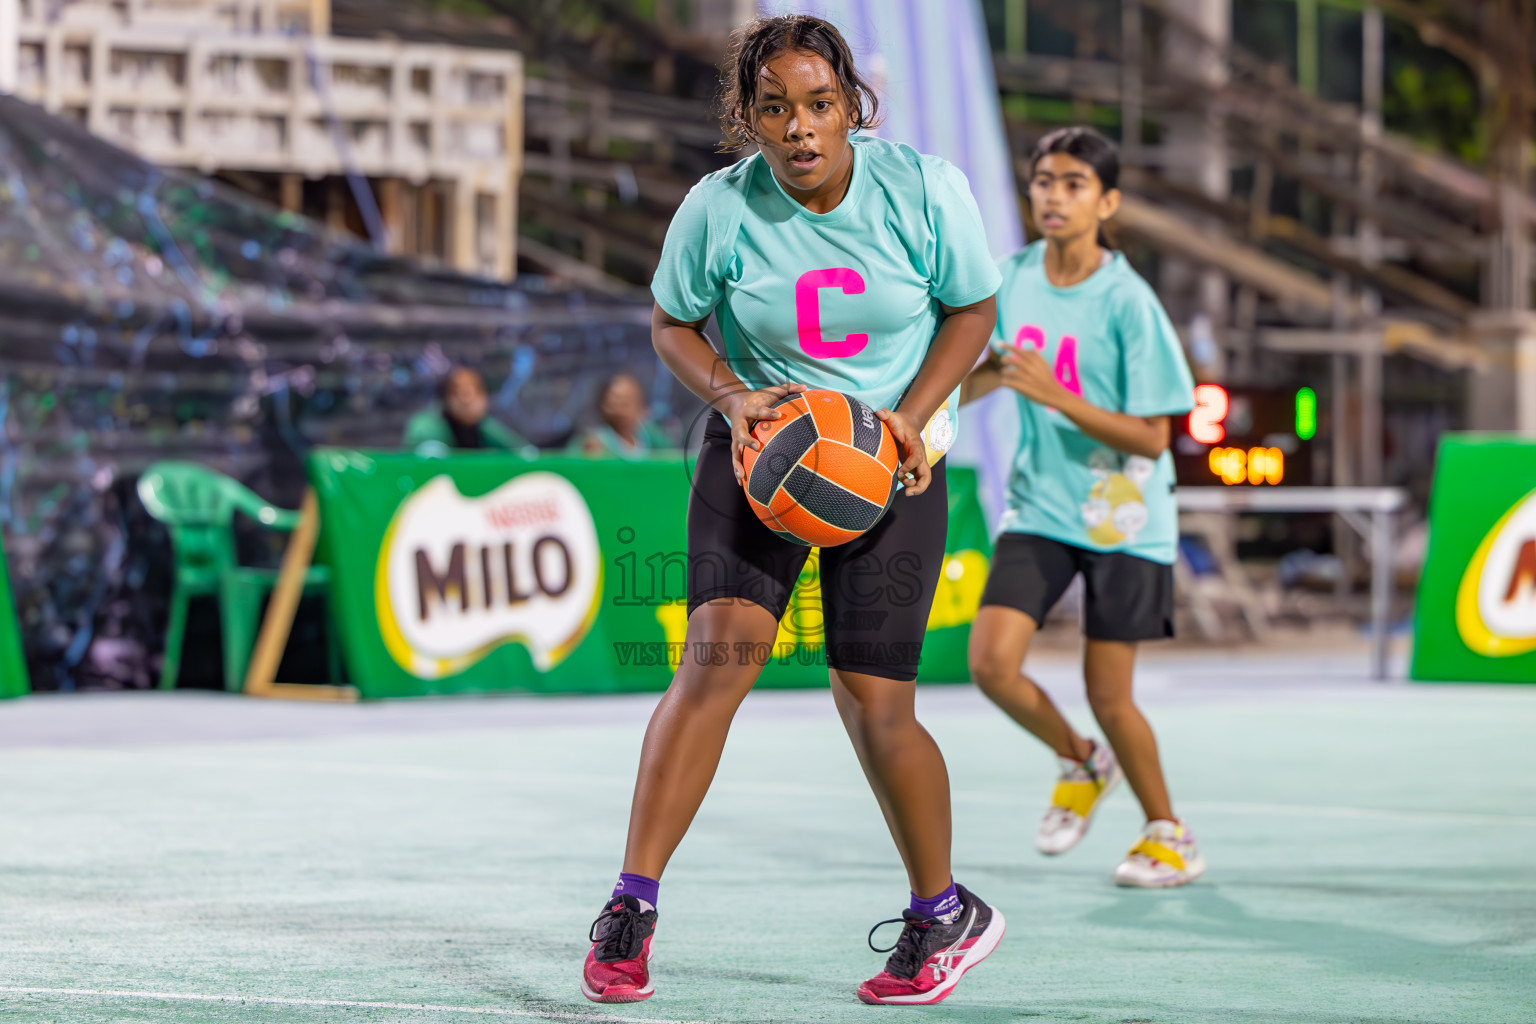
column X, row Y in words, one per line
column 1246, row 437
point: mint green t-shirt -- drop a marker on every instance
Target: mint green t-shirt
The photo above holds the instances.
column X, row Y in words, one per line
column 847, row 300
column 1110, row 341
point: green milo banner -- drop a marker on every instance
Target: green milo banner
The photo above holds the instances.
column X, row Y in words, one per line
column 1476, row 614
column 482, row 571
column 13, row 662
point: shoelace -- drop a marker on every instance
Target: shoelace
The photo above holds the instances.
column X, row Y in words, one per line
column 620, row 938
column 907, row 953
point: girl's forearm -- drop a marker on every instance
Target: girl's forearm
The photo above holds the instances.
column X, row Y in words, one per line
column 1146, row 436
column 958, row 344
column 688, row 354
column 981, row 382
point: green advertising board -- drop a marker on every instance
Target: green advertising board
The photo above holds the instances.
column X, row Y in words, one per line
column 486, row 572
column 1476, row 615
column 13, row 662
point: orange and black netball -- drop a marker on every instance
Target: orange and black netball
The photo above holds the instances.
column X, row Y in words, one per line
column 826, row 472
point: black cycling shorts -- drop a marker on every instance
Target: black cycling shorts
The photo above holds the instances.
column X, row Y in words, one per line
column 1125, row 598
column 876, row 590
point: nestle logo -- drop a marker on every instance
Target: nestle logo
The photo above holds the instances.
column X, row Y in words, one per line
column 528, row 513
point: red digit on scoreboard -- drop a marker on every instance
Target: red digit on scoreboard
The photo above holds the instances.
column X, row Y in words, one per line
column 1205, row 420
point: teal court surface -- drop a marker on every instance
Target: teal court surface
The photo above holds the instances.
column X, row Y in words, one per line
column 196, row 857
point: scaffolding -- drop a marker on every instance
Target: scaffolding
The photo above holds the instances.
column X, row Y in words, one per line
column 421, row 144
column 1403, row 231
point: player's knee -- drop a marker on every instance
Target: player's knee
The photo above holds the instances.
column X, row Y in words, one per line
column 990, row 671
column 876, row 713
column 1111, row 709
column 884, row 719
column 719, row 632
column 710, row 689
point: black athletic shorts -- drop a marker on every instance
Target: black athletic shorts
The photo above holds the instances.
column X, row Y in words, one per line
column 1125, row 598
column 876, row 590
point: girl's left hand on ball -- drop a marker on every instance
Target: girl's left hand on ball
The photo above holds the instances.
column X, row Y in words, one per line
column 914, row 473
column 1027, row 372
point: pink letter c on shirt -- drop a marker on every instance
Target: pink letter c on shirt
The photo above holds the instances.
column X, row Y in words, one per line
column 808, row 312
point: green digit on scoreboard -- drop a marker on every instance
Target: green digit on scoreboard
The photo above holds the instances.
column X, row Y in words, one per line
column 1306, row 414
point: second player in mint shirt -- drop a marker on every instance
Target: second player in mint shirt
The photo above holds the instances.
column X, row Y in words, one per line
column 846, row 300
column 1108, row 339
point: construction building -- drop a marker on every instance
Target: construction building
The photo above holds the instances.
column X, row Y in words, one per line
column 416, row 147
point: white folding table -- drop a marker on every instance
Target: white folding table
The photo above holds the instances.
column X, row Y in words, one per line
column 1368, row 510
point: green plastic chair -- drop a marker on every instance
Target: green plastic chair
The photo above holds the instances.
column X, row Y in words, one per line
column 198, row 505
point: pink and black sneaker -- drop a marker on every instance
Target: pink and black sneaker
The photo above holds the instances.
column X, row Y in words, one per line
column 930, row 955
column 618, row 965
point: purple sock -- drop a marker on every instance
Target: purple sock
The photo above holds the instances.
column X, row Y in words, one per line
column 945, row 906
column 646, row 889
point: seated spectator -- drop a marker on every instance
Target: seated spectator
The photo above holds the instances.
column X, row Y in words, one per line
column 460, row 417
column 627, row 428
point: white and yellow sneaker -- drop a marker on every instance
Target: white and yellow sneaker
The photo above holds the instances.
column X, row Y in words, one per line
column 1080, row 789
column 1164, row 856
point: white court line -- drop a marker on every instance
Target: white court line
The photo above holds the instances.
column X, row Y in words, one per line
column 525, row 780
column 1359, row 813
column 1305, row 811
column 483, row 1011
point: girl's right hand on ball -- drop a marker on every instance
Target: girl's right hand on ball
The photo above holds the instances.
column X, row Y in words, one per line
column 745, row 409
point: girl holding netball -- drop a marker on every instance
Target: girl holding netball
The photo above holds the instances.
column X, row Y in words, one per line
column 1099, row 371
column 830, row 260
